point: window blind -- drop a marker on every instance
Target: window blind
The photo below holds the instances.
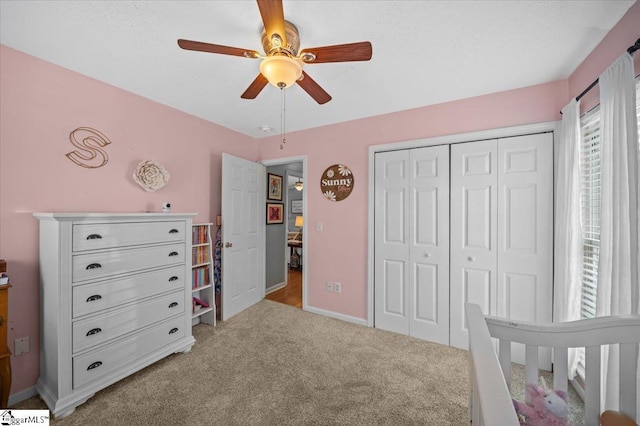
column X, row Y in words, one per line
column 590, row 203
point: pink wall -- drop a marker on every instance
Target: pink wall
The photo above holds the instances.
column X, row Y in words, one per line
column 40, row 105
column 339, row 253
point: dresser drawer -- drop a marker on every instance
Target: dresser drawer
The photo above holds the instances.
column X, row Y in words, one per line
column 103, row 264
column 96, row 297
column 101, row 236
column 93, row 365
column 94, row 331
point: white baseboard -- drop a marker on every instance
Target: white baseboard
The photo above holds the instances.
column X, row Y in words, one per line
column 336, row 315
column 275, row 287
column 22, row 395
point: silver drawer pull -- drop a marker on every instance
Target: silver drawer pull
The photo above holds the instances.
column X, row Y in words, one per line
column 94, row 237
column 174, row 231
column 94, row 298
column 173, row 278
column 93, row 266
column 94, row 331
column 173, row 330
column 173, row 304
column 94, row 365
column 173, row 253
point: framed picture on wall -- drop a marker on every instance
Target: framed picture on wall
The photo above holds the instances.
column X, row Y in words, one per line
column 274, row 187
column 275, row 213
column 296, row 206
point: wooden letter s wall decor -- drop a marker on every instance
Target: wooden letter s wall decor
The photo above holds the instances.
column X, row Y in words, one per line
column 89, row 148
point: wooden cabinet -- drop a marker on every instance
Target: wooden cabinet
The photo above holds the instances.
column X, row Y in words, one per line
column 5, row 354
column 115, row 297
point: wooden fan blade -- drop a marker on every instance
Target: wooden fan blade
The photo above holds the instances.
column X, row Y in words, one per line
column 216, row 48
column 360, row 51
column 273, row 18
column 255, row 88
column 313, row 89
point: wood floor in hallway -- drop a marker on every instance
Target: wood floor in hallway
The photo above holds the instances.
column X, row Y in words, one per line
column 292, row 293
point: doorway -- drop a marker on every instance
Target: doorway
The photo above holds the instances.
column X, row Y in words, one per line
column 285, row 254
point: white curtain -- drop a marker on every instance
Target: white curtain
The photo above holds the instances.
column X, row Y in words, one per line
column 568, row 242
column 618, row 263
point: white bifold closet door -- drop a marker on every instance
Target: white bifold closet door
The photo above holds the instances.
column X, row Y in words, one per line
column 412, row 242
column 481, row 232
column 502, row 230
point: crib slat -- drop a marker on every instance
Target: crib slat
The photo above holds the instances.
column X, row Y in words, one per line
column 560, row 361
column 531, row 367
column 592, row 386
column 504, row 356
column 628, row 364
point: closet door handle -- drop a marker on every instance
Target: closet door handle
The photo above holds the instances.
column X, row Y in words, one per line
column 94, row 331
column 94, row 365
column 471, row 258
column 173, row 330
column 94, row 298
column 94, row 237
column 427, row 255
column 173, row 253
column 173, row 304
column 173, row 278
column 93, row 266
column 228, row 244
column 174, row 231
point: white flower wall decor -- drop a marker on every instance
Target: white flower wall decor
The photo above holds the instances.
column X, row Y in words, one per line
column 337, row 182
column 151, row 176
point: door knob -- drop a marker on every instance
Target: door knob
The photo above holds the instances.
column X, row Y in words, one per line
column 228, row 244
column 427, row 255
column 471, row 258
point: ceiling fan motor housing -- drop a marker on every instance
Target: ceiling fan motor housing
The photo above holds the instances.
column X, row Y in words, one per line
column 274, row 46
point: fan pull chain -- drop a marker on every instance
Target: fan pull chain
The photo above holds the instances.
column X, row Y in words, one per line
column 283, row 118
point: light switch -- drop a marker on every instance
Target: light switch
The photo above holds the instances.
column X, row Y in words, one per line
column 319, row 226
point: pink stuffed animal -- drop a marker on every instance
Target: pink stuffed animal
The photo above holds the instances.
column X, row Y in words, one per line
column 549, row 408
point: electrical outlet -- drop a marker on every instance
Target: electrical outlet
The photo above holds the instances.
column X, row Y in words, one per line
column 337, row 287
column 329, row 286
column 21, row 346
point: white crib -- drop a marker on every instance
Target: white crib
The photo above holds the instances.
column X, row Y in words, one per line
column 490, row 400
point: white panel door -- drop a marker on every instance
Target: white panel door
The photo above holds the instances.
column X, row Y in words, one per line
column 429, row 243
column 391, row 228
column 473, row 233
column 412, row 242
column 243, row 217
column 525, row 243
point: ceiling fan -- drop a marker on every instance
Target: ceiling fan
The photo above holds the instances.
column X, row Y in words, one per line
column 283, row 62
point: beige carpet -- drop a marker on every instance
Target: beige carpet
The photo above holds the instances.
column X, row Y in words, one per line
column 277, row 365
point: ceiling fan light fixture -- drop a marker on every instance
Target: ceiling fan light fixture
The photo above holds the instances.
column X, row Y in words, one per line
column 298, row 186
column 281, row 71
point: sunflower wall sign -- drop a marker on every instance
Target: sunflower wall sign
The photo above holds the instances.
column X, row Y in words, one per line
column 336, row 182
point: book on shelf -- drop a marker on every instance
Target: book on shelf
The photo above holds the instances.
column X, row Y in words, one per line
column 199, row 234
column 200, row 277
column 200, row 255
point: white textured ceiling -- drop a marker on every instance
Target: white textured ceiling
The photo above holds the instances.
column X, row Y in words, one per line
column 424, row 52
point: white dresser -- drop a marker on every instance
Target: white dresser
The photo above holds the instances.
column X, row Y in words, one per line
column 115, row 296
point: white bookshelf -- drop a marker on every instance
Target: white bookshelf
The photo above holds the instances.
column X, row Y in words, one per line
column 202, row 285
